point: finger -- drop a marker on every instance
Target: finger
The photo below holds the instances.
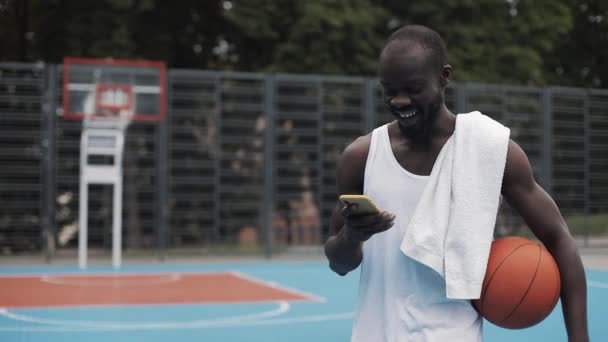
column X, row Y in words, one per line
column 369, row 233
column 347, row 210
column 370, row 220
column 358, row 222
column 386, row 227
column 375, row 228
column 388, row 216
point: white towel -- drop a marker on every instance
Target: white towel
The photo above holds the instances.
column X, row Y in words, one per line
column 452, row 228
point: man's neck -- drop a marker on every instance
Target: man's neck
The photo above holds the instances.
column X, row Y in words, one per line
column 442, row 128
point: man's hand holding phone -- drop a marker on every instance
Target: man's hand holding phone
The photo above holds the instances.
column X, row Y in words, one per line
column 362, row 218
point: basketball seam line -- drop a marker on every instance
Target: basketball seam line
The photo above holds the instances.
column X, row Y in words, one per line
column 483, row 297
column 540, row 257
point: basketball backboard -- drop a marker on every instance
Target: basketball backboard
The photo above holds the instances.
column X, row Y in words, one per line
column 112, row 89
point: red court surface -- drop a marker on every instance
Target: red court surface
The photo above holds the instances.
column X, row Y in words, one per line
column 162, row 288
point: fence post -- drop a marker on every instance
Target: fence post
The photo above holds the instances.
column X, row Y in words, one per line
column 369, row 120
column 162, row 175
column 269, row 141
column 587, row 164
column 217, row 156
column 547, row 157
column 320, row 153
column 461, row 98
column 49, row 119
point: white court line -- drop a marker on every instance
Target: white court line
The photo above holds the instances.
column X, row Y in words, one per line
column 116, row 280
column 278, row 286
column 236, row 324
column 110, row 273
column 282, row 308
column 598, row 284
column 103, row 273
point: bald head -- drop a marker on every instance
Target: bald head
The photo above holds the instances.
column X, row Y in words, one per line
column 416, row 37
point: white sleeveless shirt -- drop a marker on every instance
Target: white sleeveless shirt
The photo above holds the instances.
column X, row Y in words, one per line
column 399, row 298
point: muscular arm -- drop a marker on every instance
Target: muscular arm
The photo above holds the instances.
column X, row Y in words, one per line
column 541, row 214
column 343, row 252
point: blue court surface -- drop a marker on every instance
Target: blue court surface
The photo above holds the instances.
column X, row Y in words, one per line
column 327, row 318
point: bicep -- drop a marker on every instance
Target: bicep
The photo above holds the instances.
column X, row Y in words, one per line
column 529, row 199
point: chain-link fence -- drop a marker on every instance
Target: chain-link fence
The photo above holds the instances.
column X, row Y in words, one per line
column 245, row 162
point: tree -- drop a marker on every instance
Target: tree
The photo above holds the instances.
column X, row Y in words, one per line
column 324, row 36
column 561, row 42
column 580, row 58
column 181, row 35
column 490, row 40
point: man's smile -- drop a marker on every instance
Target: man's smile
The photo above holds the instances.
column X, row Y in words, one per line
column 407, row 116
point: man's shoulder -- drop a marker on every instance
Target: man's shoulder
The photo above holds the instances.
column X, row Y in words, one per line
column 360, row 143
column 355, row 154
column 517, row 169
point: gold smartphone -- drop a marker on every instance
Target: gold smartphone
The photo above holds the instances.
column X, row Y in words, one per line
column 361, row 204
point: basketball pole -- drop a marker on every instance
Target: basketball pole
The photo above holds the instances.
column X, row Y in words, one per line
column 97, row 141
column 104, row 138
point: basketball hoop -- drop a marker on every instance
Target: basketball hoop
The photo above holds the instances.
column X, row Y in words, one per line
column 107, row 95
column 109, row 105
column 113, row 98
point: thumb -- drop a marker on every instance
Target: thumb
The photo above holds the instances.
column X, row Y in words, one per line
column 348, row 209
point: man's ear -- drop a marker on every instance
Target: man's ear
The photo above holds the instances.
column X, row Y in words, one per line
column 446, row 73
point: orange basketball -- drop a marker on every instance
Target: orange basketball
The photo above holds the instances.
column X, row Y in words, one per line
column 521, row 286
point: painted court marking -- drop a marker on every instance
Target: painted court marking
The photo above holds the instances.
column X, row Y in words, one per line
column 46, row 291
column 279, row 287
column 266, row 317
column 114, row 280
column 229, row 322
column 282, row 308
column 598, row 284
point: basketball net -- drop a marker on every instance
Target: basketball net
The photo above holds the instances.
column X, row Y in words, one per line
column 109, row 106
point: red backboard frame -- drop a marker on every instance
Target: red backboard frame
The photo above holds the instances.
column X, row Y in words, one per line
column 138, row 117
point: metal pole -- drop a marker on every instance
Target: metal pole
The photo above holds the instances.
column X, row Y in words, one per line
column 369, row 112
column 163, row 170
column 547, row 143
column 217, row 159
column 49, row 175
column 117, row 221
column 461, row 98
column 268, row 195
column 320, row 154
column 83, row 202
column 587, row 165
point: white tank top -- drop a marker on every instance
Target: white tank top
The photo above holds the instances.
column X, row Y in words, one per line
column 399, row 298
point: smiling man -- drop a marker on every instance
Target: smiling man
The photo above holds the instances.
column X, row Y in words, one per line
column 401, row 299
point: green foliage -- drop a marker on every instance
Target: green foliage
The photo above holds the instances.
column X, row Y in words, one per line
column 324, row 36
column 580, row 57
column 561, row 42
column 490, row 40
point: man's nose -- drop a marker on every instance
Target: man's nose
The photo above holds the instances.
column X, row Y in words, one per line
column 400, row 101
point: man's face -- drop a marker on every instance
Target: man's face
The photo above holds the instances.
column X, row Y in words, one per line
column 412, row 89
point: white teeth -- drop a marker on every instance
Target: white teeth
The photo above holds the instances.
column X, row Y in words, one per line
column 407, row 114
